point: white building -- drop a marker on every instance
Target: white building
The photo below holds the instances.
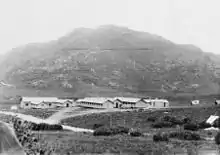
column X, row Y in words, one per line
column 158, row 103
column 121, row 102
column 44, row 102
column 195, row 102
column 217, row 102
column 95, row 102
column 126, row 102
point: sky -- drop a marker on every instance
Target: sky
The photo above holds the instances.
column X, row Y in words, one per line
column 181, row 21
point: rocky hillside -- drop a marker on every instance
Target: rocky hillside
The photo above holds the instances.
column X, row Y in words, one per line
column 110, row 60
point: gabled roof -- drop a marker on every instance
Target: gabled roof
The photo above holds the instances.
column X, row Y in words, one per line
column 94, row 99
column 155, row 100
column 37, row 100
column 127, row 99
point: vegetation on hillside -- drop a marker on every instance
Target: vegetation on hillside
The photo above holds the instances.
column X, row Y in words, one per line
column 111, row 60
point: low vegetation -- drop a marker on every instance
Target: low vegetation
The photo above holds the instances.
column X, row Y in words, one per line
column 40, row 113
column 145, row 120
column 28, row 140
column 185, row 135
column 161, row 137
column 217, row 138
column 46, row 127
column 108, row 131
column 191, row 126
column 119, row 132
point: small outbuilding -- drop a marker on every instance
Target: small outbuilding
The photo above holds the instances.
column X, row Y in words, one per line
column 159, row 103
column 195, row 102
column 217, row 102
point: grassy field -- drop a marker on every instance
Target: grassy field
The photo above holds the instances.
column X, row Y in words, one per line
column 40, row 113
column 76, row 143
column 66, row 142
column 133, row 119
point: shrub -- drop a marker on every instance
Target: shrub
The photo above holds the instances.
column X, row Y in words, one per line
column 186, row 120
column 151, row 119
column 162, row 125
column 186, row 135
column 160, row 137
column 166, row 118
column 102, row 131
column 216, row 123
column 217, row 138
column 106, row 131
column 30, row 143
column 43, row 126
column 192, row 127
column 135, row 133
column 120, row 130
column 176, row 121
column 209, row 133
column 172, row 120
column 95, row 126
column 204, row 125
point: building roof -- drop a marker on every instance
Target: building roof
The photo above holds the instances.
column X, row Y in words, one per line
column 127, row 99
column 37, row 100
column 123, row 99
column 94, row 99
column 155, row 100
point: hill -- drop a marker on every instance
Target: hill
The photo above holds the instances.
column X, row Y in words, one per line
column 110, row 60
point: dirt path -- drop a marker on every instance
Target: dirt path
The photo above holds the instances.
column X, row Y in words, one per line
column 48, row 121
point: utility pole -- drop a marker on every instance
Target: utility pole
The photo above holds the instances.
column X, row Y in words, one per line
column 110, row 120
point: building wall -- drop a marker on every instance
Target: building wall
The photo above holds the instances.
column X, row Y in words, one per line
column 108, row 105
column 25, row 105
column 159, row 104
column 142, row 104
column 117, row 103
column 128, row 105
column 90, row 105
column 105, row 105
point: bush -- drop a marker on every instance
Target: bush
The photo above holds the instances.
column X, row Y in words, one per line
column 45, row 127
column 216, row 123
column 186, row 120
column 186, row 135
column 135, row 133
column 209, row 133
column 217, row 138
column 162, row 125
column 160, row 137
column 173, row 120
column 95, row 126
column 176, row 121
column 204, row 125
column 106, row 131
column 30, row 143
column 151, row 119
column 102, row 131
column 119, row 130
column 166, row 118
column 192, row 127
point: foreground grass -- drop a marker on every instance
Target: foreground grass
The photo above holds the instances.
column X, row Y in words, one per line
column 74, row 143
column 66, row 142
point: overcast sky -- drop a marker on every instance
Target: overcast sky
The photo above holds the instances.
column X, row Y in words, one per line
column 182, row 21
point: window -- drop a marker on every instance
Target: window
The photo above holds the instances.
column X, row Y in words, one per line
column 26, row 104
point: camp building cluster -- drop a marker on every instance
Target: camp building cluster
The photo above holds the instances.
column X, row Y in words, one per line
column 94, row 102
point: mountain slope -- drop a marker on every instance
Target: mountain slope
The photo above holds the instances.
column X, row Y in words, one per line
column 110, row 60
